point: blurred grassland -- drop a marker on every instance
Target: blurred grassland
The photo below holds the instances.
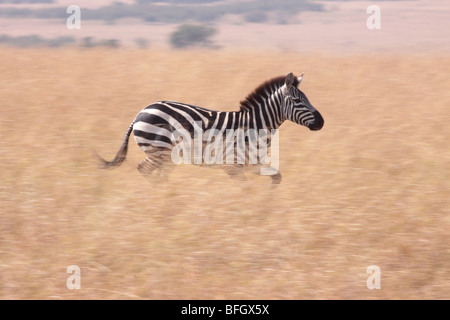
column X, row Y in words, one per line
column 371, row 188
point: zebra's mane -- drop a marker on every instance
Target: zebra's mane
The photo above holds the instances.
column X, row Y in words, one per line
column 261, row 92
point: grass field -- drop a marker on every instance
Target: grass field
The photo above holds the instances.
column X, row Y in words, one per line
column 371, row 188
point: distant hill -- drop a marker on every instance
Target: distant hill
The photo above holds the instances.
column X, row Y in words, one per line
column 171, row 11
column 286, row 25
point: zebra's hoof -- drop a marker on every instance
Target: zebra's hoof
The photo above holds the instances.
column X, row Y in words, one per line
column 276, row 178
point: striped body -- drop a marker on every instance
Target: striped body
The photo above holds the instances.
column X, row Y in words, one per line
column 156, row 128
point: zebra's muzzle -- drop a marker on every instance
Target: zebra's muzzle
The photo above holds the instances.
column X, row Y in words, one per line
column 318, row 122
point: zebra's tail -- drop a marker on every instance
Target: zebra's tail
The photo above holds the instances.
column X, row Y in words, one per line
column 121, row 154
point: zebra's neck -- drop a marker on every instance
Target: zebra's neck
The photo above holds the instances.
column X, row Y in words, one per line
column 264, row 111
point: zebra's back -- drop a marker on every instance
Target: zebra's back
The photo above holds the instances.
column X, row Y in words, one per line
column 159, row 120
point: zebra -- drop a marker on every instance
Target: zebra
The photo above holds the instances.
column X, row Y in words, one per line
column 267, row 107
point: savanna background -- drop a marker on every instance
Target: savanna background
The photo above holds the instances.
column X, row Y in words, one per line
column 371, row 188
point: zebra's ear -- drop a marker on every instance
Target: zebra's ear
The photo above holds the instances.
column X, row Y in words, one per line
column 300, row 78
column 289, row 81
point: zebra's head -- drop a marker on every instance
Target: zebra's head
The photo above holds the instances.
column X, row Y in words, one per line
column 297, row 107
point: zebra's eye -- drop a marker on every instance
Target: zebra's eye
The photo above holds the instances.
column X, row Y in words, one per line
column 296, row 99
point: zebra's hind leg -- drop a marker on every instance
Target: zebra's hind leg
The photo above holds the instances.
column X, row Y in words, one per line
column 147, row 166
column 157, row 161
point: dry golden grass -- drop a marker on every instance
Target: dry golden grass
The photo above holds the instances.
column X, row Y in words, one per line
column 371, row 188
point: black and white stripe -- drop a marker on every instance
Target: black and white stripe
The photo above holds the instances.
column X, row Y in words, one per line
column 267, row 107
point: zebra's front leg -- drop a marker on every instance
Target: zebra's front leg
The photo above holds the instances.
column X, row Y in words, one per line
column 236, row 172
column 276, row 178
